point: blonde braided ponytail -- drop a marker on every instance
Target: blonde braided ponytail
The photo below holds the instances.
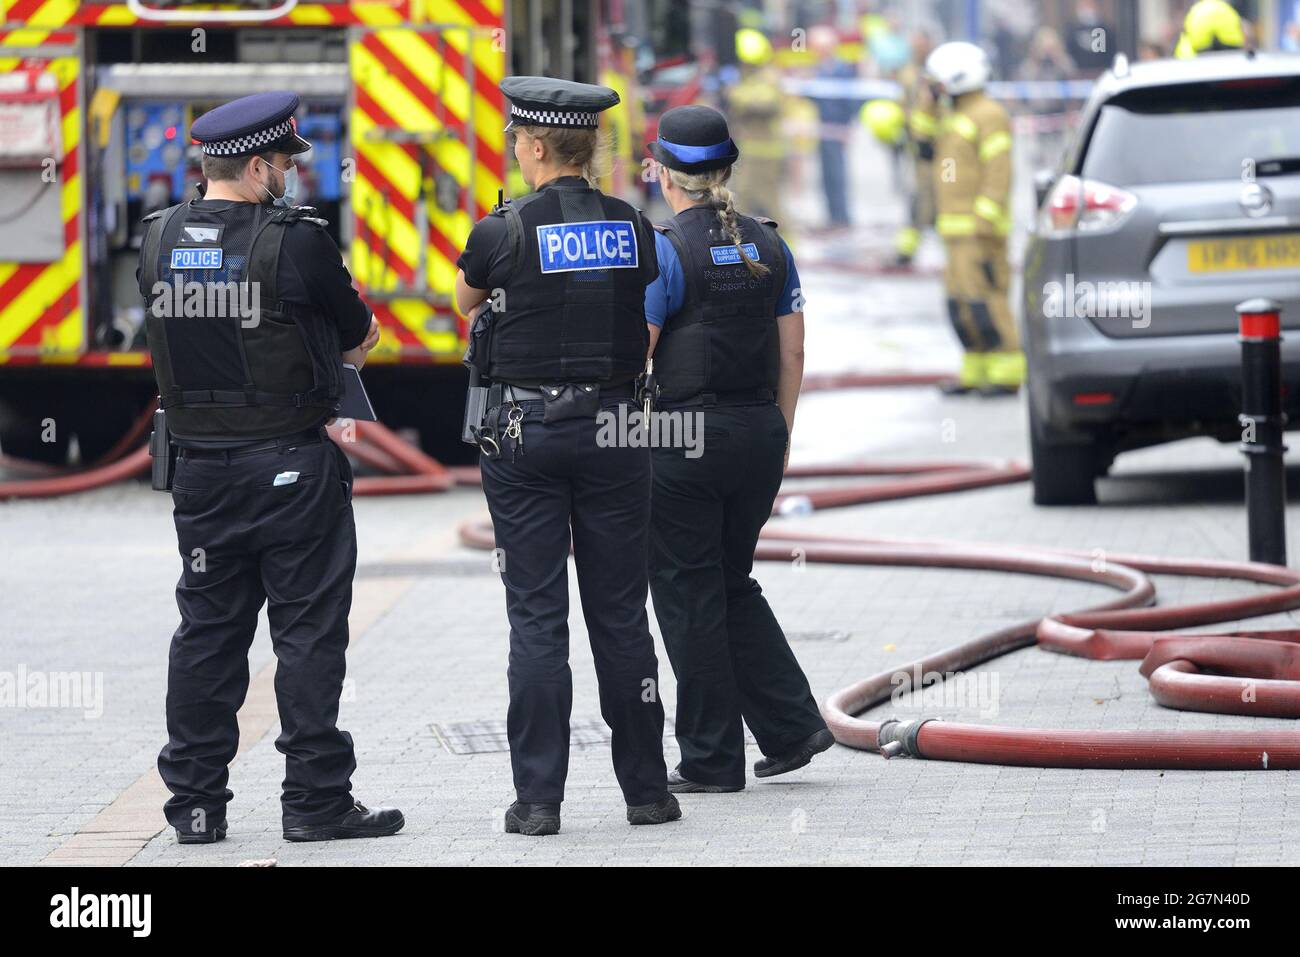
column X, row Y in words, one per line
column 711, row 187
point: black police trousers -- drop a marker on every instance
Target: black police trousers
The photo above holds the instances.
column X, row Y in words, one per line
column 246, row 541
column 566, row 487
column 727, row 650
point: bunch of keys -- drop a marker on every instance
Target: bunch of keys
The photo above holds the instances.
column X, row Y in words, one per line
column 515, row 429
column 649, row 391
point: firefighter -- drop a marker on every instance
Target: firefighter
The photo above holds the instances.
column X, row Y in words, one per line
column 1210, row 25
column 972, row 181
column 726, row 330
column 562, row 341
column 756, row 105
column 262, row 497
column 921, row 126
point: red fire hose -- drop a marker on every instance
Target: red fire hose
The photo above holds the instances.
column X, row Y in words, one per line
column 113, row 466
column 1251, row 673
column 411, row 471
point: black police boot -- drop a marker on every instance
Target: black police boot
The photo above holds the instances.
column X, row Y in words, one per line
column 679, row 785
column 533, row 820
column 661, row 812
column 217, row 833
column 801, row 755
column 360, row 821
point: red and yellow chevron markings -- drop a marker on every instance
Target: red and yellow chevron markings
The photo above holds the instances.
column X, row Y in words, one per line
column 57, row 13
column 425, row 104
column 41, row 312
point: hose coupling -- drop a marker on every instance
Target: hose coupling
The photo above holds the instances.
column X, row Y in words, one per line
column 896, row 737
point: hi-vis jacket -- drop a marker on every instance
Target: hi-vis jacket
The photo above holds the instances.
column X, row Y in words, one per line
column 921, row 111
column 972, row 169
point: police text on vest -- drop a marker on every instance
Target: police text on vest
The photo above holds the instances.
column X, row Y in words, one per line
column 603, row 244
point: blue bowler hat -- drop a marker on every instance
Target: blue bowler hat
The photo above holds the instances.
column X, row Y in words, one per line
column 694, row 139
column 261, row 123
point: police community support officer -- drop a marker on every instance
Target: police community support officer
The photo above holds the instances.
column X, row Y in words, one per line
column 262, row 496
column 726, row 327
column 566, row 269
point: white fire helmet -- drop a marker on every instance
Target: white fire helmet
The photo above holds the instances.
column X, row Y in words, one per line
column 958, row 67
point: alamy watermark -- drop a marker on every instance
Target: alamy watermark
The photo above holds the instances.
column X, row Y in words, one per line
column 1098, row 300
column 970, row 691
column 77, row 690
column 208, row 300
column 677, row 429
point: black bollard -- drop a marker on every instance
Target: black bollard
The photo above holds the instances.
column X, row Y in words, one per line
column 1262, row 424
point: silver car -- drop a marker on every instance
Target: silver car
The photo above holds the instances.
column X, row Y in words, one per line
column 1178, row 198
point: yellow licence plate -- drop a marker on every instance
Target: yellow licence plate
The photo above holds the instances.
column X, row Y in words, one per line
column 1273, row 251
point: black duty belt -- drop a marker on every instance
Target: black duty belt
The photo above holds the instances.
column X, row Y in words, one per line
column 310, row 437
column 738, row 397
column 524, row 393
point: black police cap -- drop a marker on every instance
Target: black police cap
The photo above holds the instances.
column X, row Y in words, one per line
column 694, row 139
column 261, row 123
column 542, row 101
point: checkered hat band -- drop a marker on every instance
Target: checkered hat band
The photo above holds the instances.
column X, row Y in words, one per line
column 553, row 118
column 250, row 142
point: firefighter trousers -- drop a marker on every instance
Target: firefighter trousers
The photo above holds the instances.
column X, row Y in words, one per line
column 976, row 283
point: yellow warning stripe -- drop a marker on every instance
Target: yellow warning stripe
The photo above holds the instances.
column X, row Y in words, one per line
column 53, row 13
column 24, row 38
column 415, row 315
column 451, row 154
column 53, row 281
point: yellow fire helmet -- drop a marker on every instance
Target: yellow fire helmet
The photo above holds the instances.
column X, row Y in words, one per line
column 752, row 47
column 1210, row 25
column 885, row 119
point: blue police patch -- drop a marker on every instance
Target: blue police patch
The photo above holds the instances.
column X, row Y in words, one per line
column 196, row 258
column 601, row 244
column 730, row 255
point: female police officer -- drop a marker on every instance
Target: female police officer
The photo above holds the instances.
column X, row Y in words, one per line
column 564, row 272
column 726, row 329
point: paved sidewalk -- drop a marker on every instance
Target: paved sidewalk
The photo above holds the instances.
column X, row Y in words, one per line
column 434, row 657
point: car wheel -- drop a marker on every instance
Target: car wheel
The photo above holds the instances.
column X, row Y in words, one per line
column 1063, row 474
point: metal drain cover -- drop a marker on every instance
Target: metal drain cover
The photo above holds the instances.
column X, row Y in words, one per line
column 433, row 568
column 485, row 737
column 821, row 635
column 488, row 737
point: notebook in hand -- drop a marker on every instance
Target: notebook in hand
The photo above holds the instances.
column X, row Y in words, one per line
column 355, row 404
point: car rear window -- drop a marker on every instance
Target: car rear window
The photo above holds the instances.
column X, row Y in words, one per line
column 1194, row 132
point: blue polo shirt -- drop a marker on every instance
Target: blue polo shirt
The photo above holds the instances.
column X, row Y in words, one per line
column 665, row 296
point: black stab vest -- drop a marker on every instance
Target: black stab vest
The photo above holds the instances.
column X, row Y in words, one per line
column 574, row 307
column 724, row 338
column 226, row 371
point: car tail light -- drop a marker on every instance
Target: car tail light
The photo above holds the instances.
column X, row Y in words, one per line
column 1094, row 398
column 1083, row 206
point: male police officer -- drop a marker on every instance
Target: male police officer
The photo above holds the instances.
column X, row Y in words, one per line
column 250, row 314
column 565, row 270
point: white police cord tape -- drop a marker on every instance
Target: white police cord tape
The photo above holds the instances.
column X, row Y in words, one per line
column 858, row 88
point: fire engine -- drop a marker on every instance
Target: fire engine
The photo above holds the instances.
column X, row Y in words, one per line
column 400, row 100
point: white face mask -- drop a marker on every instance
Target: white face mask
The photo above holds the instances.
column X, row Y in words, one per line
column 291, row 185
